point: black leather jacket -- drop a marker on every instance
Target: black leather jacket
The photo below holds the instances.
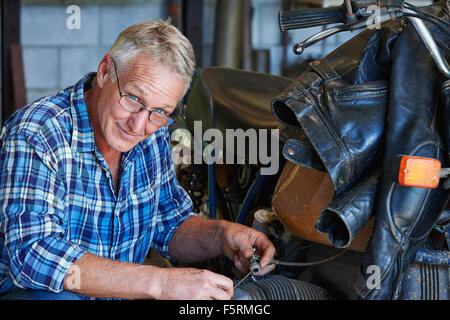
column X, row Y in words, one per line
column 373, row 99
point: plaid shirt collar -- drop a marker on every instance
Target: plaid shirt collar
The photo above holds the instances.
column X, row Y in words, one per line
column 82, row 132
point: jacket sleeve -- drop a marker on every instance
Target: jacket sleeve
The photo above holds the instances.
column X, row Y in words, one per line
column 32, row 219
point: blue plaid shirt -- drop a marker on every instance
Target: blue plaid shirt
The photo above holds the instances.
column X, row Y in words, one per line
column 58, row 201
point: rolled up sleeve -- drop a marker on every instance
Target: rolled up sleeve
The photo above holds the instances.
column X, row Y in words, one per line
column 32, row 202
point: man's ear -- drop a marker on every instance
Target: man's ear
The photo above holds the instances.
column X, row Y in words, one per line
column 103, row 71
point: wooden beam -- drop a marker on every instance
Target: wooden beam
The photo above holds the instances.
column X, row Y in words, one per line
column 174, row 11
column 193, row 26
column 10, row 11
column 18, row 76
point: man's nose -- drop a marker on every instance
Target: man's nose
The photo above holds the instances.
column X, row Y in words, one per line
column 138, row 121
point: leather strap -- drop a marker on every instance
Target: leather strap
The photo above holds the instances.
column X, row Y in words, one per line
column 302, row 154
column 324, row 70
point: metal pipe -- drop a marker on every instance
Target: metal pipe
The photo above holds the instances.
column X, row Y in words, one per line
column 430, row 44
column 230, row 35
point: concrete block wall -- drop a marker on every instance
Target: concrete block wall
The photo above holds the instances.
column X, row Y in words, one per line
column 266, row 34
column 209, row 11
column 55, row 56
column 265, row 31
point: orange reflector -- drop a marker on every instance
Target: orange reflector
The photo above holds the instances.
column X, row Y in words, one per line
column 419, row 172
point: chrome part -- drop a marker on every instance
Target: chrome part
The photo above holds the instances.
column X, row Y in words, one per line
column 430, row 44
column 242, row 280
column 385, row 16
column 300, row 47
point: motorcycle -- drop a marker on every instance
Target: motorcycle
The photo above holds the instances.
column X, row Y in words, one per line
column 350, row 215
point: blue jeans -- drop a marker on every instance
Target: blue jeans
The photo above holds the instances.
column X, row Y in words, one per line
column 29, row 294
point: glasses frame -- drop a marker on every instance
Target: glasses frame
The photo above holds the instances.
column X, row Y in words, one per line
column 171, row 118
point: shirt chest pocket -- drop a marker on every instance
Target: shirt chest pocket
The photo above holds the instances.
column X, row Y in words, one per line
column 141, row 202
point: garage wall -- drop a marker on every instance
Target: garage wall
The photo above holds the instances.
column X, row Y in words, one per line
column 266, row 35
column 56, row 57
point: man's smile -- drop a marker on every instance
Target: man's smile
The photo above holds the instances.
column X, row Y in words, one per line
column 127, row 135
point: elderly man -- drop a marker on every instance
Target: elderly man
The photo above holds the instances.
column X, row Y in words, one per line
column 87, row 186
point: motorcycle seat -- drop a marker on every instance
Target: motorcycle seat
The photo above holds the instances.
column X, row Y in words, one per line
column 233, row 99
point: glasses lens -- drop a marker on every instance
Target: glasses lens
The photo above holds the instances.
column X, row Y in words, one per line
column 130, row 105
column 160, row 119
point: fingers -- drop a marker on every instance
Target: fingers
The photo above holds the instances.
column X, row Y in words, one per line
column 247, row 251
column 239, row 242
column 224, row 286
column 213, row 286
column 265, row 249
column 196, row 284
column 241, row 263
column 268, row 252
column 265, row 270
column 222, row 293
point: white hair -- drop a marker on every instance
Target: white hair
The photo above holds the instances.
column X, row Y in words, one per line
column 159, row 40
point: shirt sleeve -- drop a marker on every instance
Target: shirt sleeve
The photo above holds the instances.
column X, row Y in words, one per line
column 174, row 206
column 32, row 216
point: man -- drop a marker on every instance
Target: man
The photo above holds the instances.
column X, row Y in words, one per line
column 87, row 186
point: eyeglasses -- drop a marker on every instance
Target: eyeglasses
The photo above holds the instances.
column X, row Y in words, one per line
column 132, row 105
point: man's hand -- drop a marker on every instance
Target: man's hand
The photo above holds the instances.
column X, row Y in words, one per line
column 105, row 278
column 199, row 239
column 194, row 284
column 238, row 244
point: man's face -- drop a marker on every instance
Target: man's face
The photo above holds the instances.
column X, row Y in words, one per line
column 153, row 84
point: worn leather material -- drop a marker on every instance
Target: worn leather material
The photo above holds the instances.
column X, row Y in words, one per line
column 404, row 216
column 344, row 85
column 445, row 89
column 348, row 215
column 392, row 110
column 298, row 204
column 301, row 152
column 301, row 196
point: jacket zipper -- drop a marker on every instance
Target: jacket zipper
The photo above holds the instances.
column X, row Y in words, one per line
column 396, row 288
